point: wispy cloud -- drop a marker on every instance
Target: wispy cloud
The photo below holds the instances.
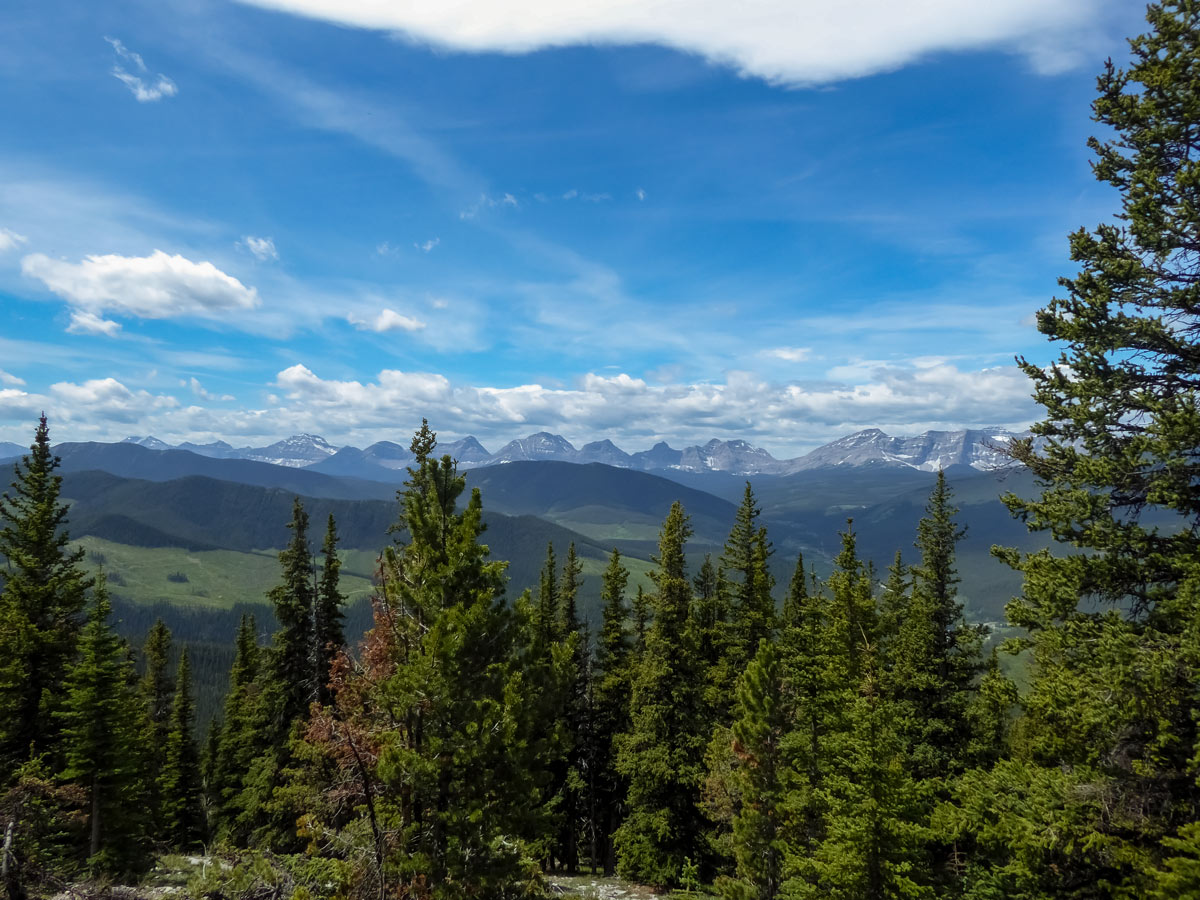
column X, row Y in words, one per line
column 199, row 390
column 385, row 320
column 83, row 322
column 263, row 248
column 487, row 201
column 10, row 240
column 789, row 354
column 141, row 84
column 428, row 245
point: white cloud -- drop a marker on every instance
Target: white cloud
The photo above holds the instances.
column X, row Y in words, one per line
column 783, row 41
column 789, row 354
column 261, row 247
column 158, row 286
column 10, row 240
column 146, row 89
column 199, row 390
column 640, row 193
column 107, row 399
column 83, row 322
column 786, row 418
column 486, row 201
column 10, row 379
column 386, row 320
column 428, row 245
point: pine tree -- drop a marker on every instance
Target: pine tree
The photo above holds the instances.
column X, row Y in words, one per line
column 328, row 634
column 613, row 683
column 40, row 604
column 663, row 753
column 180, row 784
column 294, row 601
column 435, row 734
column 100, row 733
column 240, row 743
column 814, row 687
column 874, row 843
column 577, row 712
column 760, row 723
column 747, row 552
column 716, row 643
column 1118, row 441
column 155, row 691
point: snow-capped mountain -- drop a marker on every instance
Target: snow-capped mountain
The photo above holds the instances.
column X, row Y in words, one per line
column 296, row 452
column 737, row 457
column 542, row 445
column 978, row 448
column 150, row 442
column 930, row 451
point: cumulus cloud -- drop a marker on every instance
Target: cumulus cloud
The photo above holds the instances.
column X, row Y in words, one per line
column 144, row 87
column 262, row 247
column 10, row 240
column 787, row 417
column 109, row 400
column 782, row 41
column 386, row 320
column 159, row 286
column 83, row 322
column 10, row 379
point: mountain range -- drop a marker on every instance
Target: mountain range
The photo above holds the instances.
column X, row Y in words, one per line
column 981, row 449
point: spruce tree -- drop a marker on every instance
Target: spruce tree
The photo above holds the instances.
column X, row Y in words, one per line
column 181, row 781
column 760, row 724
column 100, row 734
column 1115, row 457
column 744, row 562
column 239, row 744
column 155, row 691
column 43, row 595
column 577, row 710
column 613, row 683
column 663, row 753
column 328, row 633
column 294, row 601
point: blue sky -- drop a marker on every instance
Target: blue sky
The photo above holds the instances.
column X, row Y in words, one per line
column 777, row 220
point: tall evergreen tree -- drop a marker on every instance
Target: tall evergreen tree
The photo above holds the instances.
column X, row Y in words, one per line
column 43, row 595
column 294, row 601
column 100, row 734
column 181, row 781
column 663, row 753
column 576, row 712
column 155, row 691
column 744, row 562
column 434, row 734
column 760, row 723
column 613, row 684
column 1112, row 773
column 240, row 742
column 328, row 633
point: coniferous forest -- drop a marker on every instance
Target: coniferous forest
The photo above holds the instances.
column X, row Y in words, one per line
column 849, row 737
